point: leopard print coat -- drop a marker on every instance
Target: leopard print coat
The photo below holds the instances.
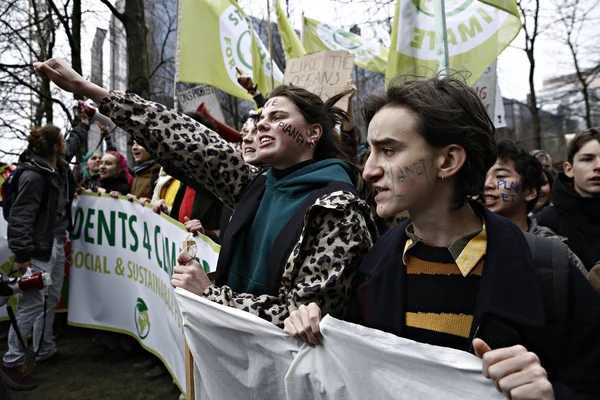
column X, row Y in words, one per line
column 338, row 228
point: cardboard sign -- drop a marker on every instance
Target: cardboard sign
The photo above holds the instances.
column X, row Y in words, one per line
column 325, row 73
column 192, row 98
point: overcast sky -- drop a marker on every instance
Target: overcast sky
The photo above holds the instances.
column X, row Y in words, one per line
column 513, row 66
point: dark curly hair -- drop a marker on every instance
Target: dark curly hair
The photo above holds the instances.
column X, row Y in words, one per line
column 449, row 112
column 42, row 140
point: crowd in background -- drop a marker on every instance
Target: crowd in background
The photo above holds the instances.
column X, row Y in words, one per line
column 304, row 235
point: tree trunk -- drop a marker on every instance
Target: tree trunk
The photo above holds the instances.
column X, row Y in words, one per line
column 76, row 42
column 533, row 107
column 138, row 73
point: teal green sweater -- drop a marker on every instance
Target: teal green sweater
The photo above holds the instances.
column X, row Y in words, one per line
column 281, row 200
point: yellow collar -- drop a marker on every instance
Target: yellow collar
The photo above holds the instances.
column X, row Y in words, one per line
column 466, row 251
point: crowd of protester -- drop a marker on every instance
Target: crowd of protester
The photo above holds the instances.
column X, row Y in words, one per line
column 433, row 231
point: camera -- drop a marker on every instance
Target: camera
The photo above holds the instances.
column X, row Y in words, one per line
column 29, row 281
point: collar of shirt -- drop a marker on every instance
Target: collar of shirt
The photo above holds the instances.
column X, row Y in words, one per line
column 466, row 251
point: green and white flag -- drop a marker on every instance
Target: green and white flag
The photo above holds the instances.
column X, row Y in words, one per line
column 215, row 38
column 368, row 54
column 477, row 31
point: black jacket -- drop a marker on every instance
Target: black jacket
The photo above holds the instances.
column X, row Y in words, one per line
column 117, row 183
column 576, row 218
column 33, row 214
column 512, row 305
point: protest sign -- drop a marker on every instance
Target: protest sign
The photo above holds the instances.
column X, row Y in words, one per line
column 192, row 98
column 325, row 74
column 488, row 90
column 123, row 256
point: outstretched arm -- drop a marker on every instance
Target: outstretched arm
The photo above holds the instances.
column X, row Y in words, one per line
column 67, row 79
column 201, row 154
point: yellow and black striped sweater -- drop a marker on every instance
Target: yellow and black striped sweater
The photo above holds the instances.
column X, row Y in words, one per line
column 440, row 302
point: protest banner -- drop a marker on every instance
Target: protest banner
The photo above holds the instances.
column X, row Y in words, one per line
column 123, row 256
column 476, row 32
column 325, row 74
column 192, row 98
column 369, row 54
column 240, row 355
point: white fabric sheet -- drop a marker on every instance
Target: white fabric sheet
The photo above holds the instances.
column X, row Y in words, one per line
column 357, row 363
column 240, row 356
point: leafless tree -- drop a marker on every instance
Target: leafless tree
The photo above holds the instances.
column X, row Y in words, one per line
column 138, row 69
column 576, row 31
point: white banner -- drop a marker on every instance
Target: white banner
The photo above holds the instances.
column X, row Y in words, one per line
column 239, row 355
column 122, row 261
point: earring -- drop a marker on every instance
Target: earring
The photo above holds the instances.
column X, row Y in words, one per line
column 443, row 177
column 311, row 143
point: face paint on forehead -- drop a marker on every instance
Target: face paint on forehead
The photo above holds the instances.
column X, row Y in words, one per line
column 271, row 103
column 292, row 131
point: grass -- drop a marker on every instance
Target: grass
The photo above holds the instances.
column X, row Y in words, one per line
column 88, row 375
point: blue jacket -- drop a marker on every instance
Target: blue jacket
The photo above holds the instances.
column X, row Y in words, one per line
column 515, row 305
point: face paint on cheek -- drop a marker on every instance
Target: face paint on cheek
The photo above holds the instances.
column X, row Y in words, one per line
column 294, row 133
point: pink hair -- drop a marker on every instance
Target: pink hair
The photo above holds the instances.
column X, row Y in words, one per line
column 122, row 163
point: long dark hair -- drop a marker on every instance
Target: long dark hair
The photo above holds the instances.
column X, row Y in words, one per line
column 315, row 111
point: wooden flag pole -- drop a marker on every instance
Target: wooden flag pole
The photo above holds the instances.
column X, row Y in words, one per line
column 190, row 389
column 270, row 37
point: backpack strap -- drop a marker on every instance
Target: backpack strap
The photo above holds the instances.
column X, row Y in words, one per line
column 552, row 257
column 290, row 234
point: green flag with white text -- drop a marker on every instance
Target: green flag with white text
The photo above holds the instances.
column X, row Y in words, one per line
column 215, row 38
column 368, row 54
column 477, row 31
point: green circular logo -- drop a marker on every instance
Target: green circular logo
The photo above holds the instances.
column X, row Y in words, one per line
column 240, row 49
column 347, row 40
column 453, row 7
column 141, row 318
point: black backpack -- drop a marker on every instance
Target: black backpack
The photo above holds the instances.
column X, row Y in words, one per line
column 10, row 189
column 551, row 259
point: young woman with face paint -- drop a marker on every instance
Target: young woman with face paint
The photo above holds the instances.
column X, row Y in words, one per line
column 298, row 232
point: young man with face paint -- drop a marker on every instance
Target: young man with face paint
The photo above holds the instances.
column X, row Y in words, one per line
column 512, row 188
column 456, row 274
column 298, row 232
column 575, row 210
